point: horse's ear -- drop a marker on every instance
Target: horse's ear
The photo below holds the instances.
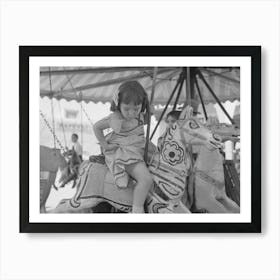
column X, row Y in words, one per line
column 187, row 112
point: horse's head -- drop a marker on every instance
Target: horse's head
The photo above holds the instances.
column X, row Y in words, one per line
column 226, row 131
column 51, row 160
column 191, row 131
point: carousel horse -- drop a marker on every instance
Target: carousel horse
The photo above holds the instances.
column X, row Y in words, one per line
column 74, row 163
column 169, row 168
column 201, row 201
column 209, row 183
column 51, row 161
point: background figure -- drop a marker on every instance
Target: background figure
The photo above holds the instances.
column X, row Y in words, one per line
column 77, row 147
column 171, row 118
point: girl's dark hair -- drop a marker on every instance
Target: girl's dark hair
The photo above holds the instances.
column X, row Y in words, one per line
column 131, row 91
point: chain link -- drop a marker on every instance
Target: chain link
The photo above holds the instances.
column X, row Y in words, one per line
column 52, row 131
column 81, row 94
column 87, row 116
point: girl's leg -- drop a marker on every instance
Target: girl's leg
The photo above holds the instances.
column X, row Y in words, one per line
column 144, row 180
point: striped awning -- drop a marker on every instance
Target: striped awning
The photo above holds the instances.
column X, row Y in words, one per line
column 97, row 84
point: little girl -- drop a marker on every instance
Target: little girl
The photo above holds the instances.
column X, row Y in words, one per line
column 124, row 147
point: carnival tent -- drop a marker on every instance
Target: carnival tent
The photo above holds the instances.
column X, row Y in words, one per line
column 97, row 84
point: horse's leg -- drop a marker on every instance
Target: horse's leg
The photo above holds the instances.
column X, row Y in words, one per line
column 74, row 183
column 221, row 196
column 205, row 198
column 181, row 208
column 190, row 192
column 67, row 180
column 43, row 208
column 45, row 189
column 229, row 204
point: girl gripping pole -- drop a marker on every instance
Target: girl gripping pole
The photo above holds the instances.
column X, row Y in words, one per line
column 124, row 147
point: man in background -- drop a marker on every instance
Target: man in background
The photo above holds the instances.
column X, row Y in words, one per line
column 77, row 146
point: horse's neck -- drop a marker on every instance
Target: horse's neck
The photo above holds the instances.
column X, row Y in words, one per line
column 169, row 168
column 62, row 162
column 210, row 162
column 173, row 152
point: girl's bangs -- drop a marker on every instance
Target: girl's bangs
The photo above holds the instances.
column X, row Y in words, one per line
column 131, row 97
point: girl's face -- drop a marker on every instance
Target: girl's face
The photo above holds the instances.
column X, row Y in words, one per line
column 130, row 111
column 170, row 121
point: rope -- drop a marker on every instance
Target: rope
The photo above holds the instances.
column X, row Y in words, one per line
column 52, row 131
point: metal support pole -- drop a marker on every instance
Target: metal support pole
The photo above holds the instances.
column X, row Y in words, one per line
column 162, row 114
column 215, row 97
column 221, row 75
column 149, row 115
column 188, row 87
column 200, row 97
column 189, row 78
column 179, row 93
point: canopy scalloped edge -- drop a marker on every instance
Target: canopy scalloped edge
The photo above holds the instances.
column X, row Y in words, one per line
column 158, row 102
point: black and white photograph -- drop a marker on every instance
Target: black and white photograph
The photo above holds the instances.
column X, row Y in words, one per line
column 140, row 140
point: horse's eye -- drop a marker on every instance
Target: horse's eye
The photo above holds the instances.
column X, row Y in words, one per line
column 193, row 124
column 217, row 137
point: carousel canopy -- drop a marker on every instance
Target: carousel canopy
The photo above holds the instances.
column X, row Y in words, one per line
column 97, row 84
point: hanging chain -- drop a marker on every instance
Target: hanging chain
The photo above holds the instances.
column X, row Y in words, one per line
column 82, row 107
column 52, row 131
column 87, row 116
column 62, row 123
column 52, row 109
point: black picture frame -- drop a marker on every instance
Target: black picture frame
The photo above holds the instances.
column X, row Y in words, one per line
column 254, row 52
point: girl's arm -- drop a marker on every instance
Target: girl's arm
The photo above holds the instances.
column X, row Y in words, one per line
column 98, row 131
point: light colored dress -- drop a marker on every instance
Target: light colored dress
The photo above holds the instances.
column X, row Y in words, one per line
column 78, row 148
column 129, row 135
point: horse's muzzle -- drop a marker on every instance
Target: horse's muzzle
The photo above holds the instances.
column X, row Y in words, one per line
column 215, row 141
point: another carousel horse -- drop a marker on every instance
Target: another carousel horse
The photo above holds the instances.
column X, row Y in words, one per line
column 202, row 195
column 51, row 161
column 209, row 183
column 169, row 168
